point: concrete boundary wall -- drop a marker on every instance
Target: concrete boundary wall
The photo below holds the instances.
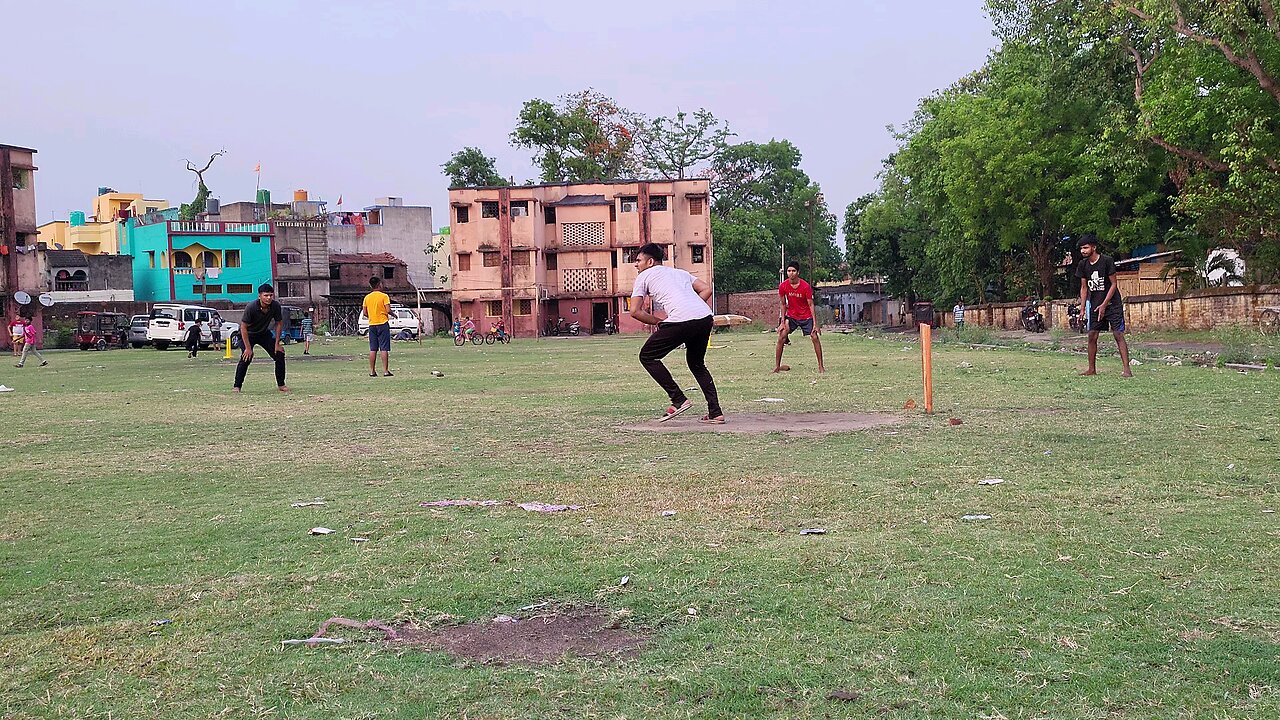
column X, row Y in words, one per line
column 1192, row 310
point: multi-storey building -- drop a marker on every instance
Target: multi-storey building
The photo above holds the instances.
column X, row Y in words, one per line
column 198, row 259
column 19, row 263
column 533, row 254
column 301, row 251
column 101, row 232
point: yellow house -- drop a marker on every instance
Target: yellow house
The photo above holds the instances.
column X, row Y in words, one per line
column 101, row 235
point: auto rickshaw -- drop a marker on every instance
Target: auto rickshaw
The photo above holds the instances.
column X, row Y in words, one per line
column 293, row 317
column 102, row 330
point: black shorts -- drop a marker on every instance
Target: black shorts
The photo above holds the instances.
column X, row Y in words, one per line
column 1112, row 320
column 806, row 326
column 380, row 338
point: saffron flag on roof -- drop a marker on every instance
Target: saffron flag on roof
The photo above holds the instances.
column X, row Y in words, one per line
column 257, row 168
column 339, row 201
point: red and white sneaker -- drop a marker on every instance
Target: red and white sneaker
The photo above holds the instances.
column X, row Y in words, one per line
column 673, row 411
column 708, row 420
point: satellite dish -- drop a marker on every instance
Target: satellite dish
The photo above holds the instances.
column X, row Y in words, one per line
column 22, row 297
column 46, row 299
column 58, row 245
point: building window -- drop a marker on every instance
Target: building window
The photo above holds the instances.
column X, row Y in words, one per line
column 239, row 289
column 209, row 259
column 290, row 288
column 584, row 234
column 21, row 178
column 626, row 303
column 181, row 259
column 613, row 258
column 696, row 204
column 489, row 209
column 658, row 203
column 628, row 203
column 493, row 308
column 151, row 209
column 255, row 238
column 520, row 208
column 520, row 258
column 214, row 289
column 335, row 272
column 492, row 259
column 580, row 280
column 613, row 213
column 699, row 253
column 524, row 307
column 71, row 281
column 464, row 262
column 233, row 259
column 629, row 254
column 388, row 272
column 553, row 261
column 464, row 214
column 151, row 259
column 549, row 215
column 289, row 256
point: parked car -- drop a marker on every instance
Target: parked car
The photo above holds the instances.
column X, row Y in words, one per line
column 402, row 318
column 230, row 330
column 168, row 325
column 138, row 330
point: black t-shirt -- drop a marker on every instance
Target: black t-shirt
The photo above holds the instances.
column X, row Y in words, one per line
column 259, row 320
column 193, row 332
column 1101, row 276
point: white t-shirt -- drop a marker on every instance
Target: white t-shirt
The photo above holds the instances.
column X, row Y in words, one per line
column 673, row 290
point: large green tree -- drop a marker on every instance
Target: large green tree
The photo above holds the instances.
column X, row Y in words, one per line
column 470, row 167
column 581, row 138
column 764, row 204
column 1205, row 78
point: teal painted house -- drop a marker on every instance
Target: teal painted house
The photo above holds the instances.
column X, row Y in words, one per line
column 183, row 261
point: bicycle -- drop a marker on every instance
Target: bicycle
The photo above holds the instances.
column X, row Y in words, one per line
column 497, row 337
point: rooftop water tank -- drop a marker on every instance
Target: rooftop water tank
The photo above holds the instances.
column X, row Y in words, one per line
column 212, row 206
column 77, row 218
column 299, row 195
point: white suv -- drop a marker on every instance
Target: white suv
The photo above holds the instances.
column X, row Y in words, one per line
column 169, row 324
column 402, row 318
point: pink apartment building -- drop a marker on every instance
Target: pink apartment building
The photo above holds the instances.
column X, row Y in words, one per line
column 536, row 253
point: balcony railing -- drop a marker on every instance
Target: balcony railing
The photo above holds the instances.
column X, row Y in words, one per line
column 186, row 227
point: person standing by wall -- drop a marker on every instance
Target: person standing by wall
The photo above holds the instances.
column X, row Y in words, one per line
column 957, row 313
column 17, row 334
column 377, row 307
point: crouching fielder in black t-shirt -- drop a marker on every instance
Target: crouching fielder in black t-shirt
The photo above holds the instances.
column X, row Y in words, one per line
column 256, row 329
column 1101, row 301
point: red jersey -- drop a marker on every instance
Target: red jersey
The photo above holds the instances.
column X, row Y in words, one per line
column 798, row 297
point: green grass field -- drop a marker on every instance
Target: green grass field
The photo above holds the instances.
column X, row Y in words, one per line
column 1129, row 568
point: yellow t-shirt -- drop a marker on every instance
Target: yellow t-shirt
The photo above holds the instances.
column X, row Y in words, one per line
column 377, row 307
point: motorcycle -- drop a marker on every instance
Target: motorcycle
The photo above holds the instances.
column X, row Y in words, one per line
column 560, row 328
column 1075, row 318
column 611, row 325
column 1032, row 320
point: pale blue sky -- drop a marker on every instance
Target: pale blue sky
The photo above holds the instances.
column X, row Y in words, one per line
column 366, row 99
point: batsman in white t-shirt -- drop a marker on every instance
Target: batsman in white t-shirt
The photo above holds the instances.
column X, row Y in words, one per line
column 689, row 321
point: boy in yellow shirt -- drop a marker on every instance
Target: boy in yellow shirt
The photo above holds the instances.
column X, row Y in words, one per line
column 377, row 307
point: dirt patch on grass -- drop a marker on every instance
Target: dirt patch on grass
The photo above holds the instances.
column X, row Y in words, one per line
column 538, row 639
column 814, row 423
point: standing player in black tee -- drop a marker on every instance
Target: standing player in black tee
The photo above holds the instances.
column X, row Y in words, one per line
column 1100, row 298
column 255, row 329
